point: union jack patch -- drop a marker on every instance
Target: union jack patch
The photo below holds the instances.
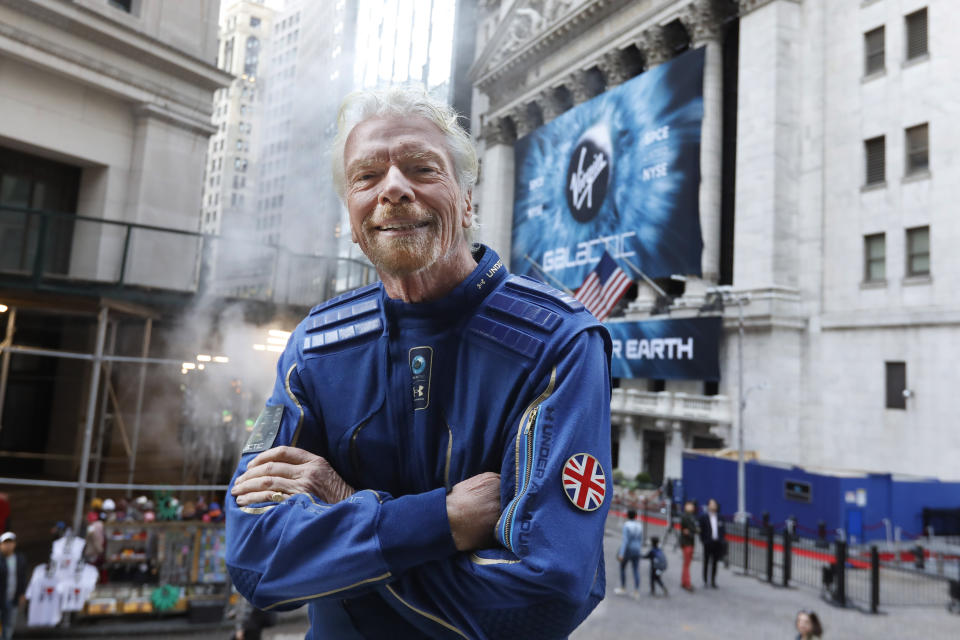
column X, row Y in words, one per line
column 583, row 481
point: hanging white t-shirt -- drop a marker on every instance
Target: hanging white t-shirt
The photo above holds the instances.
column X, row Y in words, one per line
column 67, row 553
column 76, row 588
column 44, row 599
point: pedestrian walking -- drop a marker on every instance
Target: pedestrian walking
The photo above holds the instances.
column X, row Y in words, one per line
column 658, row 565
column 13, row 583
column 808, row 625
column 713, row 534
column 631, row 548
column 688, row 529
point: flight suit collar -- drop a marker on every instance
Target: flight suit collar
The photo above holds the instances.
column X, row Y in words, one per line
column 466, row 296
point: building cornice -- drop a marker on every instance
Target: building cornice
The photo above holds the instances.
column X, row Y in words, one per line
column 889, row 319
column 144, row 49
column 523, row 36
column 746, row 6
column 57, row 58
column 503, row 69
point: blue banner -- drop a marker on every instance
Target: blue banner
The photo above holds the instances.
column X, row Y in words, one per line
column 675, row 349
column 621, row 172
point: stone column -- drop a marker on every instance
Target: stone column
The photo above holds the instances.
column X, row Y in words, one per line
column 655, row 47
column 496, row 215
column 577, row 83
column 549, row 105
column 673, row 456
column 522, row 121
column 704, row 23
column 631, row 447
column 615, row 68
column 768, row 145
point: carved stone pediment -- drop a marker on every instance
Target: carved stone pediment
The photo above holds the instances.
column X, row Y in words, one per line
column 531, row 27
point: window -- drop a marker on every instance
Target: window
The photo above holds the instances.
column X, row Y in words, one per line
column 254, row 21
column 123, row 5
column 228, row 55
column 875, row 160
column 918, row 251
column 917, row 146
column 873, row 51
column 252, row 56
column 874, row 258
column 896, row 385
column 916, row 24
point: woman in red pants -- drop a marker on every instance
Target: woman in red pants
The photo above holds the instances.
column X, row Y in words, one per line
column 688, row 532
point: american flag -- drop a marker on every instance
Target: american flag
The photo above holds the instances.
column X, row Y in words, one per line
column 603, row 287
column 584, row 482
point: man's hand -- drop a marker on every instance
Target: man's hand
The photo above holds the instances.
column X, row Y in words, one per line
column 289, row 471
column 473, row 508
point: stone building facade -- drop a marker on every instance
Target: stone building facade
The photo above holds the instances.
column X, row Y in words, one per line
column 824, row 208
column 120, row 92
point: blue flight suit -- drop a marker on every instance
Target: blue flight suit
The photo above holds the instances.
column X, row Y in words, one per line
column 504, row 374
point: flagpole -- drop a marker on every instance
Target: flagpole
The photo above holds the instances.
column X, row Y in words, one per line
column 547, row 275
column 646, row 278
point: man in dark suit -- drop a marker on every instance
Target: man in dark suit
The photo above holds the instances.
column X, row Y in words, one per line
column 13, row 582
column 713, row 536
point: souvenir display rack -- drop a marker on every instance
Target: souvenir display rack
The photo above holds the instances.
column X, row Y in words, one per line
column 142, row 558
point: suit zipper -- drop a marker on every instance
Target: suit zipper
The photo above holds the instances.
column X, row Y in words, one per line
column 529, row 433
column 525, row 429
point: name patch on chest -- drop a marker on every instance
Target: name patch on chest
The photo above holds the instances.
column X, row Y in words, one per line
column 420, row 360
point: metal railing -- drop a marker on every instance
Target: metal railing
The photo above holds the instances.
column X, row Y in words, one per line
column 54, row 251
column 858, row 575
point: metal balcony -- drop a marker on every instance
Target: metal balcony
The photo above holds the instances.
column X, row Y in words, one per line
column 672, row 406
column 65, row 253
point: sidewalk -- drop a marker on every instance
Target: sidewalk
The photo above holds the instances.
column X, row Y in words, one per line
column 741, row 608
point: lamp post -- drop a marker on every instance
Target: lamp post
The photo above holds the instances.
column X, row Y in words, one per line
column 741, row 467
column 728, row 296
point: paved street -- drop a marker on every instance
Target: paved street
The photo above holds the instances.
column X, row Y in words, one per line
column 742, row 608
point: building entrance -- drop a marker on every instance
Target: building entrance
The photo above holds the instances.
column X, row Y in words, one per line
column 654, row 453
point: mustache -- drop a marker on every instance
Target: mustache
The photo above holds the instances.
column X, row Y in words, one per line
column 409, row 212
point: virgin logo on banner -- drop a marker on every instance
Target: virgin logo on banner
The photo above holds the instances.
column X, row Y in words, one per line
column 587, row 186
column 620, row 172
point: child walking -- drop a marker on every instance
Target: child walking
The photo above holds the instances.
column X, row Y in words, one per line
column 658, row 564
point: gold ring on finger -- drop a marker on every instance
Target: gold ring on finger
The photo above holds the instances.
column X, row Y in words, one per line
column 277, row 496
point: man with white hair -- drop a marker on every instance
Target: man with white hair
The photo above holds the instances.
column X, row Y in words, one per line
column 431, row 462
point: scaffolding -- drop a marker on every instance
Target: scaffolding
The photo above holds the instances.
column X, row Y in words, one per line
column 101, row 361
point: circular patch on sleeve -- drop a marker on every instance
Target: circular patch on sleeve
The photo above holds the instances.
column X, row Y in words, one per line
column 583, row 481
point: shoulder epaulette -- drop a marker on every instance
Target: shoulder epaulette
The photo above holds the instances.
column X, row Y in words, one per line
column 348, row 316
column 541, row 290
column 353, row 294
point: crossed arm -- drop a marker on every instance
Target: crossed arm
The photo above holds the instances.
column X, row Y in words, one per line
column 473, row 506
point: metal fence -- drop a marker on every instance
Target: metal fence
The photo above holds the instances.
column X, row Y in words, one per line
column 921, row 573
column 859, row 575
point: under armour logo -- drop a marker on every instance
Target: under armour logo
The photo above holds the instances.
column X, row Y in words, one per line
column 418, row 391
